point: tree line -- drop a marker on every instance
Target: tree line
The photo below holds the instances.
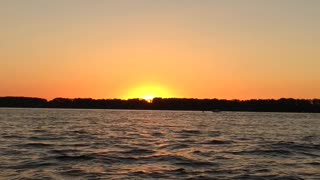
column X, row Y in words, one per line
column 254, row 105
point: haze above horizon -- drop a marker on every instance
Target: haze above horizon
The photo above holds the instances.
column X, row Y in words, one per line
column 233, row 49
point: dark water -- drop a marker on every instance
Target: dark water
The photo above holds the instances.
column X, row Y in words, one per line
column 105, row 144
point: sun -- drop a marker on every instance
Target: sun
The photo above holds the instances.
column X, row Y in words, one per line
column 149, row 92
column 148, row 98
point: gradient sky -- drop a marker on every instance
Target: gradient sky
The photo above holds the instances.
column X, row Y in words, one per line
column 183, row 48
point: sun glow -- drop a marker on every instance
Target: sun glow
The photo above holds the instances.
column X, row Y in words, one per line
column 148, row 98
column 149, row 92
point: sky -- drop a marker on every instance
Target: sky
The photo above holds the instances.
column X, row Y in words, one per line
column 230, row 49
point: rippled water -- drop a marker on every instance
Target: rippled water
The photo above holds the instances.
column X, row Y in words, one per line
column 106, row 144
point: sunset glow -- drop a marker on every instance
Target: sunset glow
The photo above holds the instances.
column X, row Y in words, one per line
column 148, row 92
column 146, row 48
column 160, row 89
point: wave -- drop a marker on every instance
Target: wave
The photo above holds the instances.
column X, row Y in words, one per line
column 90, row 144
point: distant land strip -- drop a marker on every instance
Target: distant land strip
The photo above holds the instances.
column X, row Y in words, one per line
column 216, row 105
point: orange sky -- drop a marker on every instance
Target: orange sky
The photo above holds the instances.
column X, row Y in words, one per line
column 143, row 48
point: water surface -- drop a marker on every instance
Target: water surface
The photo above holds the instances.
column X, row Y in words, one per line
column 115, row 144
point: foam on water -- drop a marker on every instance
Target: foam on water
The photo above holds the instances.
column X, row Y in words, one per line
column 95, row 144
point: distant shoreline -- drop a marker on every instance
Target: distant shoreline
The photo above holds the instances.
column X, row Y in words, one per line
column 168, row 110
column 180, row 104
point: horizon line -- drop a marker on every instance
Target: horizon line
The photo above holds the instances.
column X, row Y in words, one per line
column 125, row 99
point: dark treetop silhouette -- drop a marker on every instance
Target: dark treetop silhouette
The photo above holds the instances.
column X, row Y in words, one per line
column 255, row 105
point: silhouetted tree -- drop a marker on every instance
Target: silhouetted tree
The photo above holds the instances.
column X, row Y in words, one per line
column 256, row 105
column 22, row 102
